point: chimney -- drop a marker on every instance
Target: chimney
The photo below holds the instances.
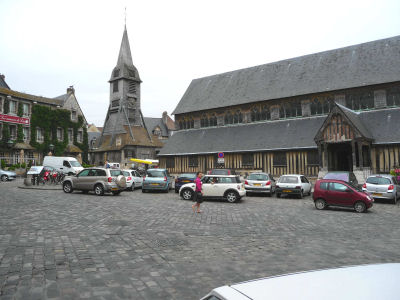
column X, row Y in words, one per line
column 164, row 117
column 3, row 76
column 71, row 90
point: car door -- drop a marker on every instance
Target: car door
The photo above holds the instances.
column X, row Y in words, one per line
column 339, row 194
column 82, row 179
column 306, row 185
column 210, row 186
column 138, row 179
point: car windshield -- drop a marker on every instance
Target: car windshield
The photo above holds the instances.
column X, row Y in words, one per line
column 220, row 172
column 378, row 180
column 258, row 177
column 115, row 172
column 74, row 163
column 188, row 175
column 288, row 179
column 126, row 173
column 155, row 174
column 337, row 176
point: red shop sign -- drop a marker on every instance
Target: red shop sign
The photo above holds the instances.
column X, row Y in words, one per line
column 14, row 119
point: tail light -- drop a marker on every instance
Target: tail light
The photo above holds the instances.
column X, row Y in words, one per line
column 129, row 178
column 298, row 187
column 364, row 186
column 229, row 172
column 109, row 179
column 268, row 182
column 391, row 187
column 246, row 182
column 165, row 178
column 144, row 177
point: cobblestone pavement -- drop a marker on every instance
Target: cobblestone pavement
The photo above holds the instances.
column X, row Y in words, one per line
column 151, row 246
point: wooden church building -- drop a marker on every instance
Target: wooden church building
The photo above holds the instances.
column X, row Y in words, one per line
column 334, row 110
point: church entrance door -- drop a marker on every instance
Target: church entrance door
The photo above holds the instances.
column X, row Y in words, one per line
column 340, row 157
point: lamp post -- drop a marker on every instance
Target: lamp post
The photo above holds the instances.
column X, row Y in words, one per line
column 10, row 143
column 51, row 147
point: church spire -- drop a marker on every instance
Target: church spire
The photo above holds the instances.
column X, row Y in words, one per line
column 125, row 57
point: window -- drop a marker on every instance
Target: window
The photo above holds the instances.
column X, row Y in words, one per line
column 25, row 109
column 73, row 115
column 13, row 132
column 131, row 73
column 323, row 185
column 25, row 132
column 204, row 121
column 312, row 158
column 337, row 187
column 265, row 113
column 12, row 107
column 170, row 162
column 248, row 159
column 59, row 134
column 237, row 118
column 80, row 136
column 193, row 161
column 70, row 136
column 84, row 173
column 228, row 118
column 255, row 114
column 116, row 73
column 100, row 173
column 280, row 159
column 393, row 96
column 115, row 86
column 132, row 87
column 213, row 120
column 1, row 105
column 115, row 103
column 320, row 106
column 1, row 130
column 360, row 100
column 39, row 134
column 157, row 132
column 288, row 179
column 180, row 125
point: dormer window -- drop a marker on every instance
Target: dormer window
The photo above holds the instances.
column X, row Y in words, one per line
column 116, row 73
column 115, row 86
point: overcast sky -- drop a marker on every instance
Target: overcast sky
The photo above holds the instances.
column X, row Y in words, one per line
column 47, row 45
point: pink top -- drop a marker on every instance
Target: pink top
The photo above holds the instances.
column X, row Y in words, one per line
column 198, row 184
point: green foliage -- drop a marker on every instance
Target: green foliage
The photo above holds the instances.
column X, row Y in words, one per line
column 87, row 165
column 11, row 168
column 49, row 120
column 23, row 165
column 20, row 134
column 20, row 110
column 6, row 106
column 3, row 164
column 6, row 134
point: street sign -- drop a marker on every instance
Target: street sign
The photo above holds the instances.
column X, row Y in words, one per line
column 220, row 154
column 221, row 160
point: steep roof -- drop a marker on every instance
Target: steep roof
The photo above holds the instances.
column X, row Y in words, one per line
column 355, row 119
column 359, row 65
column 152, row 123
column 39, row 99
column 3, row 82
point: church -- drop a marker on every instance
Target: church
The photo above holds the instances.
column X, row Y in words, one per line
column 126, row 133
column 333, row 110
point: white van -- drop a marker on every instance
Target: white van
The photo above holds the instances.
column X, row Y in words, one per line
column 68, row 165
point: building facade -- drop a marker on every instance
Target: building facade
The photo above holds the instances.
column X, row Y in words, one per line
column 125, row 133
column 32, row 126
column 334, row 110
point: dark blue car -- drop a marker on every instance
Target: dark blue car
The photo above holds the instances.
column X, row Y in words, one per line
column 183, row 179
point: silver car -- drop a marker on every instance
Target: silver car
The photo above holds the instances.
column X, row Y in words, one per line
column 383, row 187
column 346, row 283
column 99, row 180
column 7, row 175
column 259, row 183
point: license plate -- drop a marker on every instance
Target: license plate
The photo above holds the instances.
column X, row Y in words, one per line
column 185, row 180
column 287, row 191
column 114, row 189
column 377, row 194
column 154, row 184
column 257, row 184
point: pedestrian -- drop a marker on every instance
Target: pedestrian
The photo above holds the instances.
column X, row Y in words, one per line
column 198, row 193
column 106, row 165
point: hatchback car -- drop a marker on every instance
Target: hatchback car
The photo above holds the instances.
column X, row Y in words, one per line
column 260, row 183
column 330, row 192
column 221, row 172
column 99, row 180
column 383, row 187
column 227, row 187
column 344, row 176
column 156, row 180
column 7, row 175
column 328, row 284
column 293, row 184
column 183, row 179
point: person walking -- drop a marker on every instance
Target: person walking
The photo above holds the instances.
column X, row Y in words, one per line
column 198, row 194
column 106, row 165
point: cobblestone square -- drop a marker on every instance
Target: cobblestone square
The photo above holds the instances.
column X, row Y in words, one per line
column 152, row 246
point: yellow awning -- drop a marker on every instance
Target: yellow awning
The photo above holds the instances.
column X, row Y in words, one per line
column 145, row 161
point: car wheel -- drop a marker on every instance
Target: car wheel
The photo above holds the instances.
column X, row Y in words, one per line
column 301, row 194
column 143, row 190
column 395, row 198
column 187, row 194
column 232, row 196
column 320, row 204
column 360, row 207
column 67, row 187
column 278, row 195
column 116, row 193
column 99, row 190
column 4, row 177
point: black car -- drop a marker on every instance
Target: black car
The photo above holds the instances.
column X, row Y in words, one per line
column 183, row 179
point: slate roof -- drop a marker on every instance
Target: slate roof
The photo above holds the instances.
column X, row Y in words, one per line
column 39, row 99
column 359, row 65
column 151, row 123
column 379, row 125
column 275, row 135
column 3, row 82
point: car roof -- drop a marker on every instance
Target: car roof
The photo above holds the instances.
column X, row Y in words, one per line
column 219, row 175
column 381, row 175
column 292, row 175
column 376, row 281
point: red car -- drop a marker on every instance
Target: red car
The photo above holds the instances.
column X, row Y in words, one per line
column 330, row 192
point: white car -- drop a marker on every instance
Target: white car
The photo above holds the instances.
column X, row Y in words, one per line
column 228, row 187
column 134, row 178
column 346, row 283
column 293, row 184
